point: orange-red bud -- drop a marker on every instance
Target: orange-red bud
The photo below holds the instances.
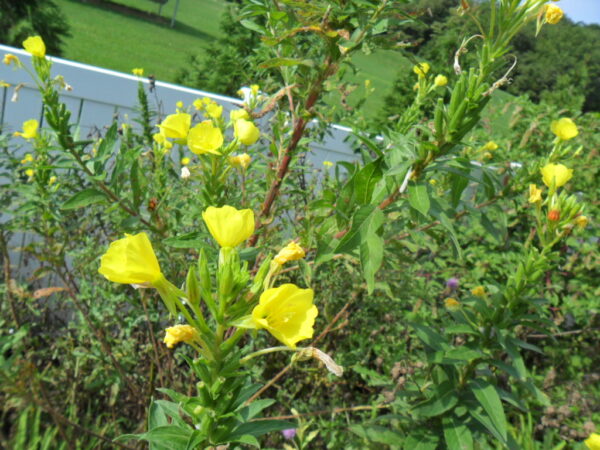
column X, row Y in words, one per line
column 554, row 215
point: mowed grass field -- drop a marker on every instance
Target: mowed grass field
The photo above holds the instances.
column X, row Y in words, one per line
column 120, row 41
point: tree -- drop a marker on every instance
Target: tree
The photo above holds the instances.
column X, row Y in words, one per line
column 22, row 18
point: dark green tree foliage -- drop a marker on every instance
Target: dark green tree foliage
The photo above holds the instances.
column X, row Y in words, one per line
column 22, row 18
column 560, row 66
column 226, row 65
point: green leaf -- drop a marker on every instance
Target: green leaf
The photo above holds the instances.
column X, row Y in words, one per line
column 418, row 198
column 156, row 416
column 195, row 239
column 259, row 427
column 457, row 435
column 421, row 440
column 461, row 354
column 489, row 399
column 379, row 434
column 365, row 181
column 430, row 337
column 360, row 221
column 84, row 198
column 254, row 408
column 136, row 189
column 371, row 249
column 444, row 398
column 172, row 436
column 278, row 62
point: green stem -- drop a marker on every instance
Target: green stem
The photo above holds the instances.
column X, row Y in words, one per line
column 265, row 351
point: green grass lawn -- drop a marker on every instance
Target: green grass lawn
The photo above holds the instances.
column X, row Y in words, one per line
column 120, row 41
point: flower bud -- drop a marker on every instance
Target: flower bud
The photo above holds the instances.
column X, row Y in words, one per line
column 554, row 215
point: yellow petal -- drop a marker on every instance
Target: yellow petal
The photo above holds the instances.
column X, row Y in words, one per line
column 246, row 131
column 556, row 174
column 131, row 260
column 287, row 312
column 35, row 46
column 176, row 126
column 229, row 226
column 564, row 128
column 205, row 138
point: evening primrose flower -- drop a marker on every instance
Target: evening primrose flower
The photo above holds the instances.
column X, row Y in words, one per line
column 242, row 160
column 9, row 59
column 35, row 46
column 421, row 69
column 287, row 312
column 198, row 104
column 131, row 260
column 490, row 146
column 185, row 161
column 214, row 110
column 162, row 140
column 229, row 226
column 478, row 291
column 30, row 173
column 556, row 174
column 564, row 128
column 255, row 88
column 451, row 303
column 52, row 179
column 237, row 114
column 290, row 252
column 179, row 333
column 246, row 131
column 440, row 81
column 593, row 442
column 582, row 222
column 138, row 72
column 205, row 138
column 553, row 14
column 30, row 128
column 327, row 164
column 27, row 159
column 176, row 126
column 535, row 194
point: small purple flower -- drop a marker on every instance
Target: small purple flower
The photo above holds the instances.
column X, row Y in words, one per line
column 452, row 283
column 289, row 433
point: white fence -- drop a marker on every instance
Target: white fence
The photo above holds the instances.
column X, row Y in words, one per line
column 100, row 95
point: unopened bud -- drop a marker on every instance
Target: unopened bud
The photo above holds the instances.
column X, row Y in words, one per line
column 554, row 215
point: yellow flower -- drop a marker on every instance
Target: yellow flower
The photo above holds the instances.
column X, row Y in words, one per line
column 29, row 129
column 185, row 161
column 162, row 140
column 4, row 84
column 198, row 104
column 138, row 72
column 327, row 164
column 564, row 128
column 35, row 46
column 254, row 89
column 242, row 160
column 290, row 252
column 179, row 104
column 9, row 58
column 246, row 131
column 440, row 81
column 205, row 138
column 287, row 312
column 582, row 221
column 451, row 303
column 30, row 173
column 28, row 158
column 490, row 146
column 535, row 194
column 131, row 260
column 229, row 226
column 556, row 174
column 478, row 291
column 553, row 14
column 237, row 114
column 433, row 182
column 176, row 126
column 421, row 69
column 214, row 110
column 593, row 442
column 52, row 179
column 179, row 333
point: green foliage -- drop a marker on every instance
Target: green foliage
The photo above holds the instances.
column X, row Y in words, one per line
column 22, row 18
